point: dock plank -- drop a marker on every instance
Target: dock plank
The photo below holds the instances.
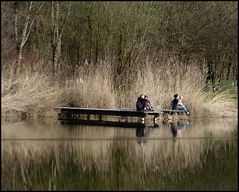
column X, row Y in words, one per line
column 113, row 112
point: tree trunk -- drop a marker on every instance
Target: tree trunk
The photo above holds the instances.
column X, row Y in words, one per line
column 16, row 7
column 25, row 34
column 97, row 47
column 53, row 38
column 228, row 70
column 56, row 36
column 56, row 32
column 90, row 37
column 17, row 65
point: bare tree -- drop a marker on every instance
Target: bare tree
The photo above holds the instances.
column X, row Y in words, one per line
column 27, row 27
column 57, row 25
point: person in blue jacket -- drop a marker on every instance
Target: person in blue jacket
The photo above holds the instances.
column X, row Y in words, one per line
column 177, row 104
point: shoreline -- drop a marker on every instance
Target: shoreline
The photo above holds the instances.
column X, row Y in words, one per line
column 20, row 116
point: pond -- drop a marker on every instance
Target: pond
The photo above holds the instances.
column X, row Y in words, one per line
column 200, row 154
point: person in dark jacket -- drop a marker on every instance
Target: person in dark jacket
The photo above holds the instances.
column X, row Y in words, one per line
column 140, row 103
column 174, row 102
column 143, row 103
column 147, row 105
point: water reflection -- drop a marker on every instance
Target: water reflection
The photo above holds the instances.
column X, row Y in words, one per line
column 142, row 133
column 95, row 140
column 178, row 127
column 118, row 151
column 104, row 123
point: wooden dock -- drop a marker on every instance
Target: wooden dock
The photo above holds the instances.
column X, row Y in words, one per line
column 126, row 117
column 75, row 114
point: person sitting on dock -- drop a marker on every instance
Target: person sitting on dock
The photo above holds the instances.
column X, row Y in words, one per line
column 177, row 104
column 139, row 103
column 143, row 103
column 147, row 104
column 174, row 102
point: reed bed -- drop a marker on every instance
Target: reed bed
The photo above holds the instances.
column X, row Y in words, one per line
column 94, row 89
column 31, row 94
column 28, row 95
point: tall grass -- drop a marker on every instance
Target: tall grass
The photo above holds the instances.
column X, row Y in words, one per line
column 33, row 94
column 28, row 94
column 163, row 82
column 94, row 88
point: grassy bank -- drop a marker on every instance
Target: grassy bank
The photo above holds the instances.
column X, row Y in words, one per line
column 34, row 94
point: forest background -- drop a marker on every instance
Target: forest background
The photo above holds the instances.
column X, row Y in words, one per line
column 105, row 54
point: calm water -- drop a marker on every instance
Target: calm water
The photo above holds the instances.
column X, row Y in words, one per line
column 45, row 155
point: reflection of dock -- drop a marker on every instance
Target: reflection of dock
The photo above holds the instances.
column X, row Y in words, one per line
column 98, row 116
column 109, row 123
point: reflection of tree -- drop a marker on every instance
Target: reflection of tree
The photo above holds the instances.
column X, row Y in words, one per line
column 160, row 154
column 56, row 168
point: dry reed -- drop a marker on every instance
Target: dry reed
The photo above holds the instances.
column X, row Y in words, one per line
column 28, row 94
column 33, row 94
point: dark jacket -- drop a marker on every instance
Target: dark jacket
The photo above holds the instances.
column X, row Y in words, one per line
column 139, row 104
column 143, row 105
column 147, row 106
column 174, row 104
